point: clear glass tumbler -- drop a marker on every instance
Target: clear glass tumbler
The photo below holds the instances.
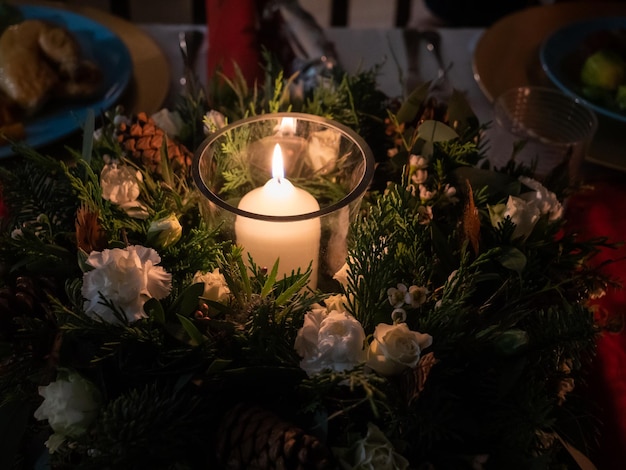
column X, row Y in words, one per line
column 556, row 130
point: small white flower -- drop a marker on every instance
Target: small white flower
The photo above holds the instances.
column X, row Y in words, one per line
column 127, row 278
column 70, row 405
column 397, row 295
column 120, row 185
column 215, row 286
column 17, row 233
column 425, row 194
column 169, row 121
column 330, row 340
column 418, row 169
column 545, row 200
column 416, row 296
column 213, row 121
column 374, row 452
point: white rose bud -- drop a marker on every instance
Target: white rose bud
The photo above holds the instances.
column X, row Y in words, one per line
column 523, row 214
column 165, row 232
column 215, row 287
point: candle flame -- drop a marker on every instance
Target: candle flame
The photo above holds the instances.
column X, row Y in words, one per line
column 288, row 125
column 278, row 168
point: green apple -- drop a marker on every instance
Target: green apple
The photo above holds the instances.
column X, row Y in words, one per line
column 604, row 69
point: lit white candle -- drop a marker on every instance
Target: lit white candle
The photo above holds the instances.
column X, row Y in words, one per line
column 295, row 244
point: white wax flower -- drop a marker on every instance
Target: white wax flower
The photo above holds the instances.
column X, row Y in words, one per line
column 396, row 295
column 374, row 452
column 70, row 405
column 120, row 185
column 523, row 214
column 416, row 296
column 545, row 200
column 418, row 169
column 395, row 348
column 165, row 231
column 330, row 340
column 127, row 278
column 215, row 287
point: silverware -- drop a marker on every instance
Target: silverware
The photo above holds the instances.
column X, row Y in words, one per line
column 412, row 39
column 189, row 43
column 440, row 88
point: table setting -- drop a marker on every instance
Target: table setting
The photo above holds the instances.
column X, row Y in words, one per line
column 363, row 248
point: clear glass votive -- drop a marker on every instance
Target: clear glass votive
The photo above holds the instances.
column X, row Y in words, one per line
column 298, row 211
column 556, row 129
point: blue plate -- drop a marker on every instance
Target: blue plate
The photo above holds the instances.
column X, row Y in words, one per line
column 563, row 53
column 99, row 44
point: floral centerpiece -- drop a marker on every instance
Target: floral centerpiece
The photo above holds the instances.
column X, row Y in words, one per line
column 134, row 336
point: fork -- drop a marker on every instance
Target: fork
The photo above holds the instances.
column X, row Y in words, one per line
column 440, row 88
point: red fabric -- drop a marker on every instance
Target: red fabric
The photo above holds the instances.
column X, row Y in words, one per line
column 599, row 212
column 4, row 210
column 233, row 38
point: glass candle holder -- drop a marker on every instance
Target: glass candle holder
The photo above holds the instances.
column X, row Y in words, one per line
column 286, row 187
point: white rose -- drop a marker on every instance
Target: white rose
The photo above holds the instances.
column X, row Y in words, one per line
column 375, row 452
column 127, row 278
column 70, row 405
column 330, row 340
column 545, row 200
column 522, row 213
column 120, row 185
column 395, row 348
column 215, row 287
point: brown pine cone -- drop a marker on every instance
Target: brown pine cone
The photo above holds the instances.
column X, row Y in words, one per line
column 23, row 308
column 254, row 438
column 142, row 139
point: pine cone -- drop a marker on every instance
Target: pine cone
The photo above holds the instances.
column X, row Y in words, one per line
column 253, row 438
column 23, row 308
column 142, row 140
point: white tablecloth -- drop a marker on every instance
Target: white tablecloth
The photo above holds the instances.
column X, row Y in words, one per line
column 363, row 49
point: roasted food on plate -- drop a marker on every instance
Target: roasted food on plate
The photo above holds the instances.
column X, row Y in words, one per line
column 41, row 62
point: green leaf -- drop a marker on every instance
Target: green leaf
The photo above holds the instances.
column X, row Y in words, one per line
column 460, row 113
column 271, row 280
column 409, row 109
column 187, row 302
column 154, row 309
column 219, row 365
column 194, row 333
column 88, row 129
column 436, row 131
column 513, row 259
